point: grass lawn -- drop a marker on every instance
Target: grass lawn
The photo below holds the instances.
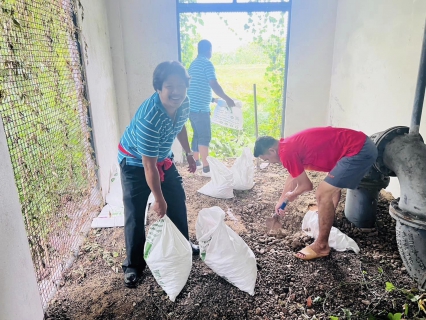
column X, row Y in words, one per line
column 237, row 80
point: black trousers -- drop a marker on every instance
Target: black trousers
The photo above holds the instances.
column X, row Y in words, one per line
column 135, row 197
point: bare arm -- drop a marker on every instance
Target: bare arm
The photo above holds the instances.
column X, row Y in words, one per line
column 219, row 91
column 183, row 139
column 303, row 184
column 293, row 188
column 153, row 179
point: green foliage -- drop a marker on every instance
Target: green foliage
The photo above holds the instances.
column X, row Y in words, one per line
column 317, row 300
column 261, row 62
column 251, row 53
column 390, row 287
column 334, row 318
column 189, row 37
column 347, row 313
column 44, row 114
column 396, row 316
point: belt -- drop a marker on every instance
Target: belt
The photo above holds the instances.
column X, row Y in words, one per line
column 161, row 166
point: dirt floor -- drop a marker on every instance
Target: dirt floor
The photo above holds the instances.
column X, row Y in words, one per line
column 344, row 285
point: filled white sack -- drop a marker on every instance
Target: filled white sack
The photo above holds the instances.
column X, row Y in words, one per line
column 243, row 171
column 221, row 183
column 168, row 255
column 337, row 239
column 224, row 251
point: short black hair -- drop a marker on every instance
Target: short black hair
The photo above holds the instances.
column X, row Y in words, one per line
column 204, row 47
column 263, row 144
column 167, row 68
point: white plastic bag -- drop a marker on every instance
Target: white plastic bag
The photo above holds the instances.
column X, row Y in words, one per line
column 243, row 171
column 109, row 217
column 228, row 117
column 337, row 239
column 224, row 251
column 168, row 255
column 220, row 186
column 114, row 196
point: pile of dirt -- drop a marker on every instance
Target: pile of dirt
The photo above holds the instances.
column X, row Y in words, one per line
column 345, row 284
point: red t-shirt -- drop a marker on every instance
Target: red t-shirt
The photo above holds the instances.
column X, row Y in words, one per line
column 319, row 149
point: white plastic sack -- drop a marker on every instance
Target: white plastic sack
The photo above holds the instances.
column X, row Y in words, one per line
column 169, row 256
column 221, row 184
column 243, row 171
column 228, row 117
column 224, row 251
column 114, row 196
column 110, row 216
column 337, row 239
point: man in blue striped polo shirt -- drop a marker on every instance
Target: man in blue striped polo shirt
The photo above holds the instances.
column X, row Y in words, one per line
column 203, row 80
column 146, row 163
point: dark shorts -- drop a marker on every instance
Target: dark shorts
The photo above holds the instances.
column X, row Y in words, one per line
column 201, row 125
column 349, row 171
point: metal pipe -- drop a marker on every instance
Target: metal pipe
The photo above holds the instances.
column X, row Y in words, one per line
column 287, row 51
column 420, row 90
column 406, row 156
column 255, row 110
column 255, row 121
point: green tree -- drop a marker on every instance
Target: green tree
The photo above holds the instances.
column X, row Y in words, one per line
column 267, row 47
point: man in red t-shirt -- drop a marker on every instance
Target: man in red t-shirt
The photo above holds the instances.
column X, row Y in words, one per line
column 345, row 154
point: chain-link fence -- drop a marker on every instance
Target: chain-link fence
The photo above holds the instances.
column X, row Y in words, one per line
column 46, row 121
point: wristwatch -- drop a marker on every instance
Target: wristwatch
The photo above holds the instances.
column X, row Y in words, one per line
column 189, row 154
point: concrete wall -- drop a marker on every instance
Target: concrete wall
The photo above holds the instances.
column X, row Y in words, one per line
column 348, row 59
column 310, row 63
column 143, row 34
column 101, row 90
column 19, row 296
column 376, row 57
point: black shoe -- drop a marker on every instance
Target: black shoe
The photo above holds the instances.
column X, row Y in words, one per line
column 131, row 278
column 195, row 249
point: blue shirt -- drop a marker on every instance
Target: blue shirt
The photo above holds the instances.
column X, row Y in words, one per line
column 151, row 132
column 201, row 71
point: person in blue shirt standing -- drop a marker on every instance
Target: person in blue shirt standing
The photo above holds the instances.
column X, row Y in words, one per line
column 203, row 80
column 147, row 166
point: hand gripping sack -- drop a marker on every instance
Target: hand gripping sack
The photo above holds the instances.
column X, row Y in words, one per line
column 224, row 251
column 220, row 186
column 243, row 171
column 337, row 239
column 168, row 255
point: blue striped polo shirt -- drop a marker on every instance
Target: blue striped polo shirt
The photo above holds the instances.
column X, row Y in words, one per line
column 201, row 71
column 151, row 132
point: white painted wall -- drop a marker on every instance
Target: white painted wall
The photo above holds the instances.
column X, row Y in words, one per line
column 310, row 63
column 143, row 34
column 101, row 90
column 19, row 296
column 351, row 63
column 376, row 57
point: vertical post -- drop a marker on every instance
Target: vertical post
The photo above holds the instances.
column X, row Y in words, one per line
column 255, row 119
column 19, row 294
column 255, row 110
column 287, row 50
column 420, row 90
column 178, row 31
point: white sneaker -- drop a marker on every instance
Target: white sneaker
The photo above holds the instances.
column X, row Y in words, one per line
column 199, row 164
column 206, row 174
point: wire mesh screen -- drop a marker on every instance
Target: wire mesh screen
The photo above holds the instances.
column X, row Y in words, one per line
column 46, row 124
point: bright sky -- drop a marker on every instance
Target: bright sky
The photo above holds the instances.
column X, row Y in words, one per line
column 220, row 35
